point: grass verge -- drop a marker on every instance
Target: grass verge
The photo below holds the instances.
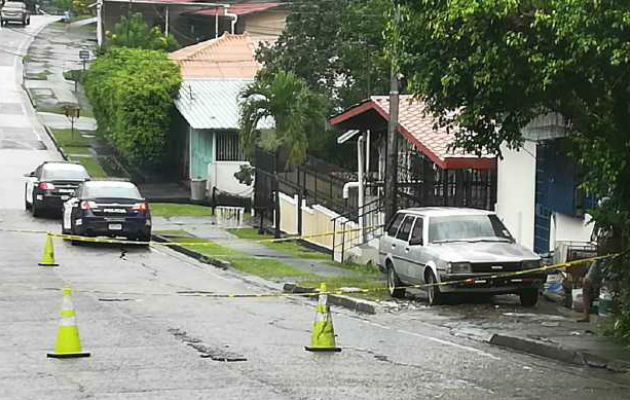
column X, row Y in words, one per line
column 179, row 210
column 65, row 138
column 266, row 268
column 93, row 167
column 290, row 247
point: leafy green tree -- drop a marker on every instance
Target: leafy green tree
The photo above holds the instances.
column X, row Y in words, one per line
column 491, row 66
column 81, row 7
column 134, row 32
column 336, row 46
column 298, row 112
column 132, row 92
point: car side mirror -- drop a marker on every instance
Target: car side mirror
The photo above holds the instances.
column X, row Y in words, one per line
column 30, row 174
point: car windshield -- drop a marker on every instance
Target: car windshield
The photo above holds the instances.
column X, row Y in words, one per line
column 64, row 172
column 467, row 228
column 14, row 5
column 115, row 190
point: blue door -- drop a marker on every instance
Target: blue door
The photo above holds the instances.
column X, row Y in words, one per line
column 201, row 153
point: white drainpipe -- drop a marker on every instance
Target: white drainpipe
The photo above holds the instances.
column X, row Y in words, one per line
column 216, row 24
column 360, row 184
column 234, row 18
column 346, row 188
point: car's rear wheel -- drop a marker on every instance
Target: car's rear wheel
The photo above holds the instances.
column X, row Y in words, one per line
column 35, row 210
column 393, row 283
column 73, row 232
column 529, row 297
column 145, row 238
column 433, row 291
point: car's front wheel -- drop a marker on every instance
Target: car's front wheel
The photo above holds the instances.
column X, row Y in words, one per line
column 433, row 291
column 393, row 283
column 529, row 297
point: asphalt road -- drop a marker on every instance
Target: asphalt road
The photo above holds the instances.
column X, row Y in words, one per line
column 150, row 342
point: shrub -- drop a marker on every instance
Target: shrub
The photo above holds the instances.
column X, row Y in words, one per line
column 132, row 91
column 134, row 32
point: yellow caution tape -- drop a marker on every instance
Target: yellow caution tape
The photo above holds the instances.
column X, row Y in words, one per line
column 316, row 292
column 156, row 243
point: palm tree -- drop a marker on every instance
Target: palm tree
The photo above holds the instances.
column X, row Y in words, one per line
column 298, row 113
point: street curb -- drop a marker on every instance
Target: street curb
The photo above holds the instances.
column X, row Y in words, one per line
column 215, row 262
column 557, row 352
column 358, row 305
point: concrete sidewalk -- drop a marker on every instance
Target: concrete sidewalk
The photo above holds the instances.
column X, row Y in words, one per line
column 548, row 330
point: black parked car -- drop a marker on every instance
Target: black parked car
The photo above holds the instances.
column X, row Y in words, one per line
column 51, row 184
column 107, row 208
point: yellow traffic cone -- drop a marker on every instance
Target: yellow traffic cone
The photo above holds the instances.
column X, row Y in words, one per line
column 323, row 337
column 68, row 344
column 48, row 259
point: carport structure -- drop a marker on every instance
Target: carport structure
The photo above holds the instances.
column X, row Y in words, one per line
column 430, row 173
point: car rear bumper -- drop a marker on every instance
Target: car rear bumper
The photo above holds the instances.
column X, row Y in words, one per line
column 50, row 201
column 101, row 226
column 17, row 18
column 482, row 284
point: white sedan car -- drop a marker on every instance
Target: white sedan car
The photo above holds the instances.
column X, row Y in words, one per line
column 441, row 244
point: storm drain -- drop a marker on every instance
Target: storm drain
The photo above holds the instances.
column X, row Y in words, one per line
column 205, row 351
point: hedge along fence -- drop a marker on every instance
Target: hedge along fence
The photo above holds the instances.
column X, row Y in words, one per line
column 132, row 92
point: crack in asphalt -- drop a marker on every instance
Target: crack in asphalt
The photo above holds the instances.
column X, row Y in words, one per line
column 213, row 353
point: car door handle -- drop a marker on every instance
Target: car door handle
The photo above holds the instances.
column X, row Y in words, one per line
column 406, row 249
column 393, row 246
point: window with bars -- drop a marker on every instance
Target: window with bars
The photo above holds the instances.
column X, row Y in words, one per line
column 229, row 147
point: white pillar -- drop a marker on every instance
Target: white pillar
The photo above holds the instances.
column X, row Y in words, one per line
column 166, row 22
column 360, row 167
column 99, row 23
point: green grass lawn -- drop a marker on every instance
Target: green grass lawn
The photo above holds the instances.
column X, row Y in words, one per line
column 93, row 167
column 65, row 138
column 179, row 210
column 288, row 246
column 266, row 268
column 77, row 150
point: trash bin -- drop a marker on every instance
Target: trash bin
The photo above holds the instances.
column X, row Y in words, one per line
column 197, row 189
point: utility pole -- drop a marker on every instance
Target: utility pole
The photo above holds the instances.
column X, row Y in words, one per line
column 391, row 161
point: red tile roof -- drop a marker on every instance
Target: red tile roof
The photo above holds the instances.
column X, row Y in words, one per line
column 238, row 9
column 417, row 125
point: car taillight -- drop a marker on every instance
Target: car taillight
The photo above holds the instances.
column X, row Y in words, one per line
column 141, row 207
column 46, row 186
column 88, row 205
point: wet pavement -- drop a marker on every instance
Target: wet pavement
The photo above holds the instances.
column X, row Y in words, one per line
column 153, row 333
column 53, row 51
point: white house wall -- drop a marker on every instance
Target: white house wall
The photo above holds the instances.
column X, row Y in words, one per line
column 516, row 192
column 565, row 228
column 221, row 176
